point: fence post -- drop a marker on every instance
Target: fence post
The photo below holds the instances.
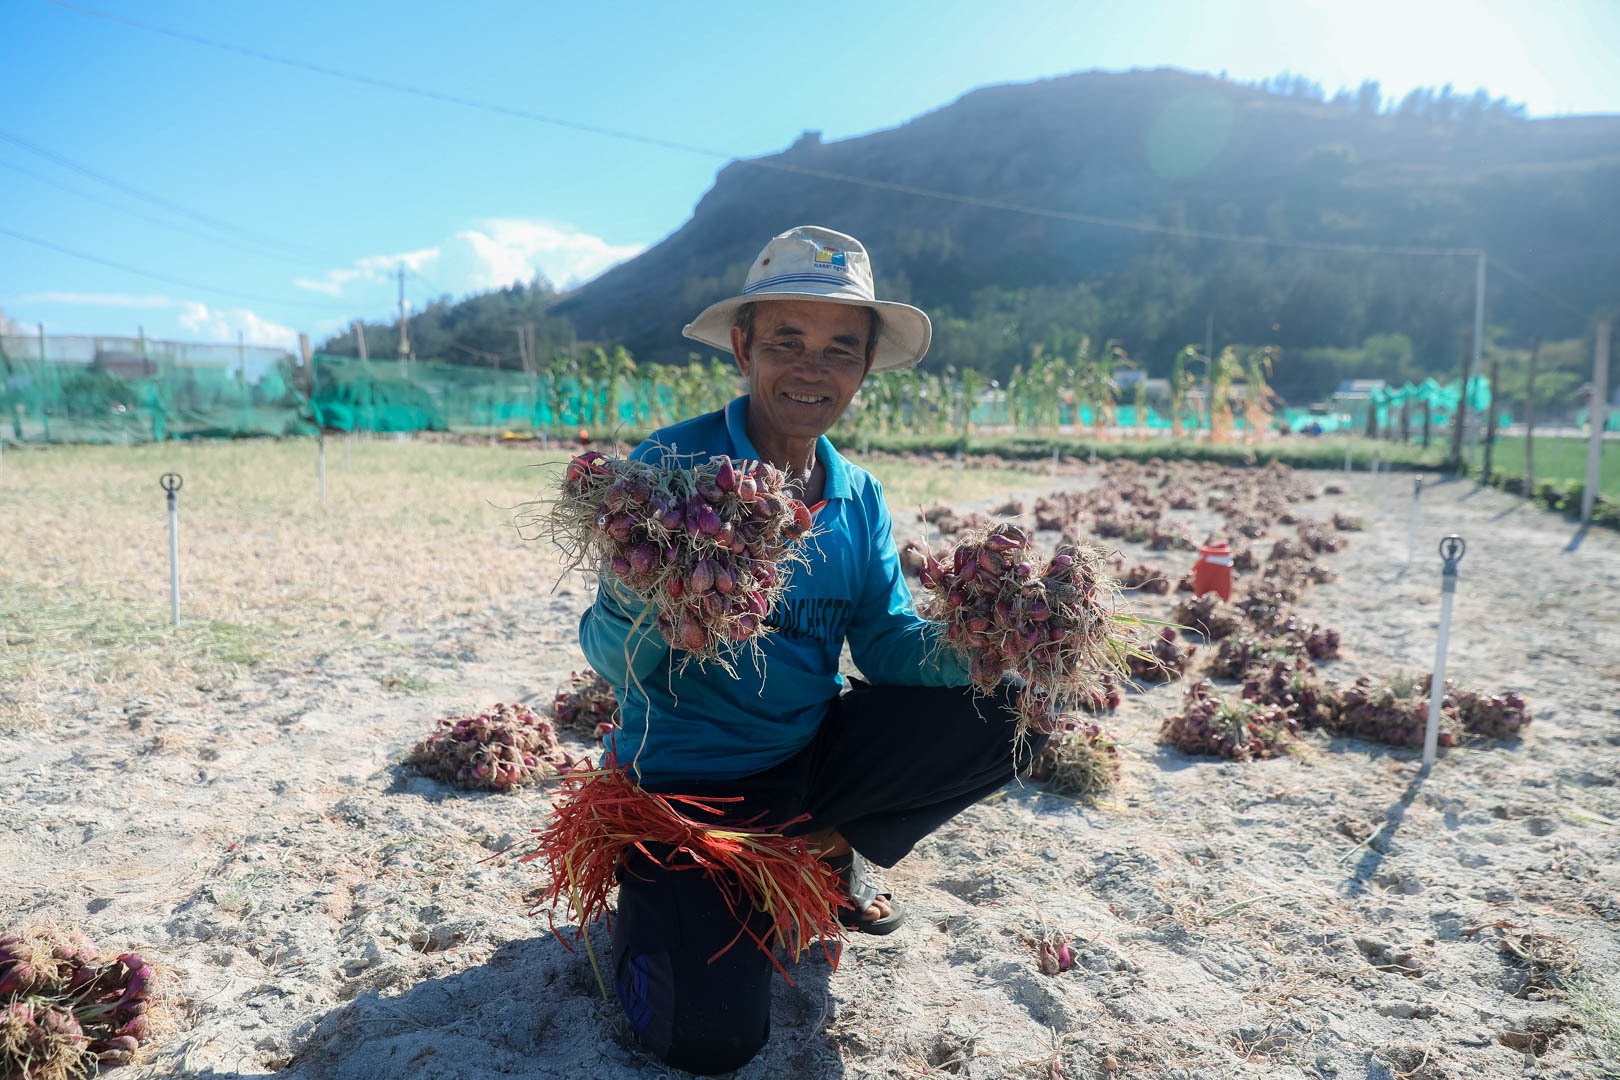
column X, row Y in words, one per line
column 1530, row 422
column 1459, row 419
column 1490, row 421
column 1412, row 525
column 1598, row 415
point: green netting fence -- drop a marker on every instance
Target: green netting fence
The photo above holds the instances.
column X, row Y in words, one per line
column 125, row 390
column 110, row 390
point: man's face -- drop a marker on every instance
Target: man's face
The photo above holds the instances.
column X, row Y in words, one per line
column 804, row 364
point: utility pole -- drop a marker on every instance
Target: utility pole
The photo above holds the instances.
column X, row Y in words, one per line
column 360, row 340
column 404, row 334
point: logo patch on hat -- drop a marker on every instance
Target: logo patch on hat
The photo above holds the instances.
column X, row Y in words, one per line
column 830, row 257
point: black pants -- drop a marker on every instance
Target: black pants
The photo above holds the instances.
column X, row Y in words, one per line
column 889, row 765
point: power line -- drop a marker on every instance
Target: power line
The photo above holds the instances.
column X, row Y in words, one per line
column 27, row 239
column 70, row 189
column 1567, row 305
column 156, row 200
column 760, row 163
column 438, row 291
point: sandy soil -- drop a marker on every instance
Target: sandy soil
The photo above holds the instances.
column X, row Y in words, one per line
column 319, row 912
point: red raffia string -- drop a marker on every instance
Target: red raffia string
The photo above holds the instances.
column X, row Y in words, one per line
column 603, row 814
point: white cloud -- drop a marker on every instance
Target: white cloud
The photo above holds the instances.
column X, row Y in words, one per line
column 504, row 250
column 490, row 255
column 122, row 300
column 221, row 325
column 372, row 269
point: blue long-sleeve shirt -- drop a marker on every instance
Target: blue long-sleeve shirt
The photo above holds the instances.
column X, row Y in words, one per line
column 702, row 723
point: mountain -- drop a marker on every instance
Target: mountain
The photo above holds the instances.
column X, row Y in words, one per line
column 1186, row 151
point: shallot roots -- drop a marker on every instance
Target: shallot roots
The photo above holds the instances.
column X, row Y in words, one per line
column 603, row 815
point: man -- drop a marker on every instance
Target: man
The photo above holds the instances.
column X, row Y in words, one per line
column 863, row 771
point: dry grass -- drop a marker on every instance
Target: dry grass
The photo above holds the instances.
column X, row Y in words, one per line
column 411, row 534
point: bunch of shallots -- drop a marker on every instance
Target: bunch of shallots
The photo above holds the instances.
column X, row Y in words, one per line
column 1296, row 690
column 63, row 1010
column 586, row 705
column 1145, row 578
column 1394, row 713
column 498, row 749
column 1237, row 729
column 1080, row 760
column 1495, row 716
column 1207, row 615
column 707, row 548
column 1165, row 660
column 1058, row 626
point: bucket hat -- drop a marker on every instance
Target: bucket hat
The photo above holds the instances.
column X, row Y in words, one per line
column 811, row 263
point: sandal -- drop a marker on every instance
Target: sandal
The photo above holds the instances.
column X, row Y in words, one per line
column 862, row 889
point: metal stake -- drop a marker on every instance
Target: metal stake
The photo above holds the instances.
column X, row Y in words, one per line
column 1347, row 454
column 958, row 472
column 1383, row 489
column 1452, row 548
column 1412, row 526
column 171, row 483
column 1054, row 462
column 322, row 467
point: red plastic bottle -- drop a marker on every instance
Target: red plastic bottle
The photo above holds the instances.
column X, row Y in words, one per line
column 1213, row 570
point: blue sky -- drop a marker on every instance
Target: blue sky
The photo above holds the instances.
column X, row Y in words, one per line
column 281, row 199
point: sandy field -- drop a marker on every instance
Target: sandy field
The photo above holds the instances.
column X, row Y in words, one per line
column 230, row 801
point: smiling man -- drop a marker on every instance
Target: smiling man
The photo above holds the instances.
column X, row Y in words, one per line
column 864, row 768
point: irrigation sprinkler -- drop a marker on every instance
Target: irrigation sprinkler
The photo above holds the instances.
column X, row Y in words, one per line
column 1452, row 548
column 170, row 482
column 1412, row 525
